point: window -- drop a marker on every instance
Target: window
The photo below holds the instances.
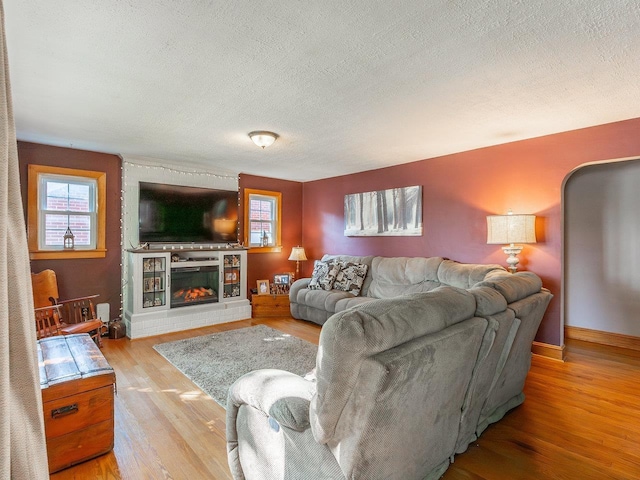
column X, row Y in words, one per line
column 61, row 198
column 66, row 202
column 262, row 220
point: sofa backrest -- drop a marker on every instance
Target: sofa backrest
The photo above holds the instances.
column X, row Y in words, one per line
column 396, row 369
column 465, row 275
column 395, row 276
column 512, row 287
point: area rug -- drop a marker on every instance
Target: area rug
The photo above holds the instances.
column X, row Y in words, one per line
column 214, row 362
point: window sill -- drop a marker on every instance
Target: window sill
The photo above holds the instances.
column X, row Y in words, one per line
column 64, row 254
column 272, row 249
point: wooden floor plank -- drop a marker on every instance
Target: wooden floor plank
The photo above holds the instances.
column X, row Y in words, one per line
column 580, row 419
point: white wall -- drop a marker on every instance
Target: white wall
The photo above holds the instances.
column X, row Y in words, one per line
column 602, row 248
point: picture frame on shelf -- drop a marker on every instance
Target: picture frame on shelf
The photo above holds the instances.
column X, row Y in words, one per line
column 263, row 287
column 280, row 285
column 148, row 284
column 282, row 279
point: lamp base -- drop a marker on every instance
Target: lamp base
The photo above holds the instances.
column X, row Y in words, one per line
column 512, row 260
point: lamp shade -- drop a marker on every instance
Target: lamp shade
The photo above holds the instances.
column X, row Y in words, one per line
column 503, row 229
column 297, row 254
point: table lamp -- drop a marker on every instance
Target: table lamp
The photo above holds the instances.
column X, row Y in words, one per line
column 297, row 255
column 511, row 229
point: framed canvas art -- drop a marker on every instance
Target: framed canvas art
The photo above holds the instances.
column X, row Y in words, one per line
column 391, row 212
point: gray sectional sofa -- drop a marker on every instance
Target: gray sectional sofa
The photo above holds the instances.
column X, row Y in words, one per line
column 385, row 278
column 402, row 382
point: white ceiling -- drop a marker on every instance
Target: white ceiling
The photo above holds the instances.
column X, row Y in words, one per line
column 348, row 85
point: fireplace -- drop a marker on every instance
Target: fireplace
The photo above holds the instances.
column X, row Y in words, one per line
column 194, row 285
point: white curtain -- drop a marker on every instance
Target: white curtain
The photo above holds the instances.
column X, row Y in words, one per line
column 23, row 453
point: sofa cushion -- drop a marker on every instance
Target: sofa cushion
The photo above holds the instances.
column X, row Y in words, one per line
column 351, row 277
column 351, row 301
column 324, row 299
column 391, row 277
column 324, row 275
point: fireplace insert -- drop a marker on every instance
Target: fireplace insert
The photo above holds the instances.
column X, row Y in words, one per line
column 194, row 285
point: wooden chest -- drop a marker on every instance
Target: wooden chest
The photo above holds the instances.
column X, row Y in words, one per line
column 77, row 387
column 270, row 306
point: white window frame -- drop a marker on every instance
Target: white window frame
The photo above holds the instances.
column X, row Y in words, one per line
column 92, row 214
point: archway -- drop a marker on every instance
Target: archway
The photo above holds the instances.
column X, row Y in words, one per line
column 601, row 248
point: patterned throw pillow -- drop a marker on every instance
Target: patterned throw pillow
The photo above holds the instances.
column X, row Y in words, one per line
column 350, row 277
column 324, row 274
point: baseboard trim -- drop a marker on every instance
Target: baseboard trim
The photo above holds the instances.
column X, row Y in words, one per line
column 554, row 352
column 603, row 338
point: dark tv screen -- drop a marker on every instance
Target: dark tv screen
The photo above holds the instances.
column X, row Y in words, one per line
column 178, row 214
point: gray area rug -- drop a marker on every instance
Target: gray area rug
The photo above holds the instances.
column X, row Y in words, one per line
column 214, row 362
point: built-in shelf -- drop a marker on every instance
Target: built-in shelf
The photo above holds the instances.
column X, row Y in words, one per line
column 202, row 288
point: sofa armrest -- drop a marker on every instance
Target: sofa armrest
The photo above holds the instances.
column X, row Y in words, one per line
column 278, row 394
column 282, row 393
column 512, row 286
column 296, row 287
column 488, row 301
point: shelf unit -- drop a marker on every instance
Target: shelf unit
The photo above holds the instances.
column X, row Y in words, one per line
column 232, row 281
column 151, row 281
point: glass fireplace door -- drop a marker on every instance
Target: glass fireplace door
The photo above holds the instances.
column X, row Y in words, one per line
column 194, row 285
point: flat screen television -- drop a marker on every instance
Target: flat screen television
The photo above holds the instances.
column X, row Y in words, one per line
column 179, row 214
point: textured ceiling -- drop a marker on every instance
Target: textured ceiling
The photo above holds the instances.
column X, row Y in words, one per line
column 348, row 85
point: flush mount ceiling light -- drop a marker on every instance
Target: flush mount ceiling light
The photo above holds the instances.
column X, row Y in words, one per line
column 263, row 138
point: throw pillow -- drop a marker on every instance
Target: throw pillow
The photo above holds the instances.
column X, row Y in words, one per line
column 350, row 278
column 324, row 274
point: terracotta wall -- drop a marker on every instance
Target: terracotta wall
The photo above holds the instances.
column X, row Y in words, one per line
column 460, row 190
column 79, row 277
column 265, row 265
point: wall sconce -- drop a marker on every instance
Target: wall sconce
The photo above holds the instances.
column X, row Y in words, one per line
column 263, row 138
column 297, row 255
column 511, row 229
column 69, row 239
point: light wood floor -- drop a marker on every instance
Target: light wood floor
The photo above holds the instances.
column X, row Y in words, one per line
column 581, row 419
